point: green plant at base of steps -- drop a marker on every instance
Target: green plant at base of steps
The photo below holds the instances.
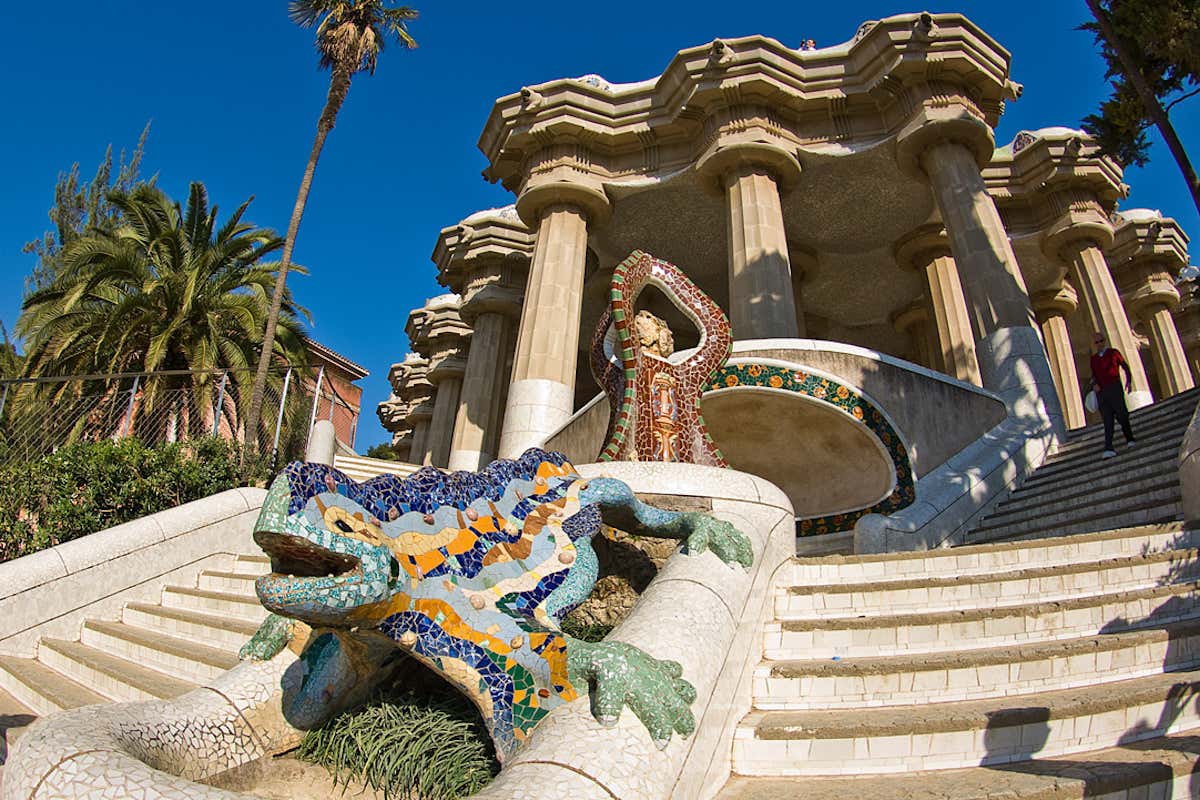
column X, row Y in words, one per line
column 411, row 744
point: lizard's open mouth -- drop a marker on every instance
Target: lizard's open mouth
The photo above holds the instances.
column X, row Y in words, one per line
column 295, row 556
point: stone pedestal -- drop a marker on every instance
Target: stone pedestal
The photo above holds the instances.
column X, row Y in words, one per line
column 541, row 397
column 1051, row 308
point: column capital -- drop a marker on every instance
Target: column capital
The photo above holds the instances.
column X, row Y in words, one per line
column 1151, row 294
column 446, row 366
column 952, row 121
column 915, row 313
column 728, row 155
column 916, row 249
column 1055, row 302
column 1083, row 224
column 586, row 198
column 491, row 298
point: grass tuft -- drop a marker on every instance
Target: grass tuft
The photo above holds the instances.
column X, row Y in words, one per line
column 409, row 746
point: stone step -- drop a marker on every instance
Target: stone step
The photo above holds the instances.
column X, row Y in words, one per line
column 1139, row 505
column 41, row 689
column 224, row 632
column 115, row 678
column 1166, row 514
column 1129, row 465
column 1009, row 588
column 252, row 564
column 945, row 631
column 975, row 674
column 964, row 734
column 207, row 601
column 1159, row 768
column 229, row 582
column 1166, row 436
column 1182, row 405
column 182, row 658
column 15, row 716
column 1053, row 508
column 987, row 559
column 1156, row 430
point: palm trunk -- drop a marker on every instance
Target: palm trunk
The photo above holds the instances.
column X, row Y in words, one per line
column 339, row 85
column 1154, row 109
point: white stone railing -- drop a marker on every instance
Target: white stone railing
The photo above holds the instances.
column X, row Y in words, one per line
column 51, row 592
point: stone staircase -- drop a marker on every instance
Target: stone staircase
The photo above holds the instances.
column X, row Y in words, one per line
column 1042, row 668
column 156, row 650
column 1077, row 491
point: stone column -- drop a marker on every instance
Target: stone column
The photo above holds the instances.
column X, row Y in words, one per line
column 1169, row 358
column 913, row 321
column 804, row 264
column 1187, row 323
column 1091, row 276
column 762, row 298
column 541, row 396
column 446, row 375
column 928, row 249
column 489, row 309
column 1012, row 360
column 419, row 420
column 1052, row 307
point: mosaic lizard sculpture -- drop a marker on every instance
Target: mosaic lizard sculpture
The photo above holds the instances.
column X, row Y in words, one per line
column 471, row 573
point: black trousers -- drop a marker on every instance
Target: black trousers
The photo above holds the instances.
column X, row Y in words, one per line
column 1112, row 406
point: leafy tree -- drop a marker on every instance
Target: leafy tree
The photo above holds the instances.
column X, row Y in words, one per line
column 382, row 451
column 1152, row 48
column 168, row 289
column 79, row 209
column 350, row 36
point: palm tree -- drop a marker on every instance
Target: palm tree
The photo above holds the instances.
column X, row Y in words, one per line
column 167, row 290
column 350, row 36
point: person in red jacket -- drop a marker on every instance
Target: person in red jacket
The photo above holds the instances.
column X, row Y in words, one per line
column 1106, row 383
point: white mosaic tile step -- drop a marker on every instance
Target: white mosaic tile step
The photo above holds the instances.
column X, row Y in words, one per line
column 210, row 602
column 188, row 660
column 939, row 632
column 42, row 689
column 1154, row 769
column 975, row 674
column 252, row 564
column 955, row 735
column 1017, row 587
column 115, row 678
column 229, row 582
column 987, row 559
column 224, row 632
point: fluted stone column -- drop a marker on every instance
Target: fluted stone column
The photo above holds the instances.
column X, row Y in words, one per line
column 419, row 451
column 478, row 411
column 447, row 377
column 541, row 397
column 1091, row 276
column 803, row 264
column 1012, row 360
column 928, row 249
column 913, row 321
column 1169, row 358
column 1052, row 308
column 762, row 299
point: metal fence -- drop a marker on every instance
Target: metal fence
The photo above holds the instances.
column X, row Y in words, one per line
column 40, row 415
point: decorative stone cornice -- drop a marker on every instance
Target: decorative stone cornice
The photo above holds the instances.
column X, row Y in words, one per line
column 438, row 319
column 485, row 259
column 1057, row 182
column 1147, row 252
column 588, row 133
column 1061, row 301
column 915, row 250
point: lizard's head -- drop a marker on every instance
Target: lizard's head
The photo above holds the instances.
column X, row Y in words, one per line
column 331, row 564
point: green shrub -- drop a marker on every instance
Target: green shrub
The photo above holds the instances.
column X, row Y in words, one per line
column 86, row 487
column 410, row 745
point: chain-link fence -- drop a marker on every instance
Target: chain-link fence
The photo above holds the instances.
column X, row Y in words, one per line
column 40, row 415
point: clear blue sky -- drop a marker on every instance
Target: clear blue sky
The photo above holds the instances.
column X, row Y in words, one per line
column 233, row 92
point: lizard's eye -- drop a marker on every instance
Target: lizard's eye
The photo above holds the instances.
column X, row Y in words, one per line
column 343, row 526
